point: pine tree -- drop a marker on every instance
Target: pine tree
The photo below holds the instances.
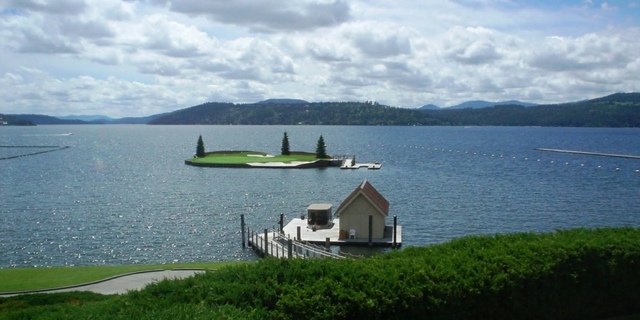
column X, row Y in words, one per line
column 284, row 150
column 200, row 148
column 321, row 149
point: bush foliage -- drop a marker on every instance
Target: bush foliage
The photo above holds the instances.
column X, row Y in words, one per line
column 576, row 274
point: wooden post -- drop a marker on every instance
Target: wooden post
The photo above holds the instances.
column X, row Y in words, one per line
column 327, row 244
column 290, row 248
column 281, row 222
column 242, row 229
column 298, row 231
column 266, row 242
column 370, row 230
column 395, row 229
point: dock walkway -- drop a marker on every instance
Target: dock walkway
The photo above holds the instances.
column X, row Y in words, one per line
column 274, row 244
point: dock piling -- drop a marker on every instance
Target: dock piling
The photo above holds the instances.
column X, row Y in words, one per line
column 242, row 228
column 370, row 230
column 290, row 248
column 266, row 242
column 281, row 222
column 298, row 234
column 395, row 229
column 327, row 244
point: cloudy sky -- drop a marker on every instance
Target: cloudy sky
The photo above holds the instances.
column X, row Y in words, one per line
column 141, row 57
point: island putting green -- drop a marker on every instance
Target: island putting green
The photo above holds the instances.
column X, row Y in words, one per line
column 255, row 159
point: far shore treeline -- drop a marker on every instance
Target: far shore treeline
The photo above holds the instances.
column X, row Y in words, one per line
column 616, row 110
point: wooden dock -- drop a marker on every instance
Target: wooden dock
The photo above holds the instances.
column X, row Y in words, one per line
column 296, row 241
column 349, row 163
column 274, row 244
column 297, row 228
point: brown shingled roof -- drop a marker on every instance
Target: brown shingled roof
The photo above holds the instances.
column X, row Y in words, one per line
column 369, row 192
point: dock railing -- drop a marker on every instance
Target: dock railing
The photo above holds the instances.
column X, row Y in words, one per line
column 275, row 244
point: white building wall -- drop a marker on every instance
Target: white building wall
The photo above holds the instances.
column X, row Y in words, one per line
column 356, row 216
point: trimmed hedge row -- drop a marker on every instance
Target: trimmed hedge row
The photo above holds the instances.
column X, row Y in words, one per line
column 575, row 274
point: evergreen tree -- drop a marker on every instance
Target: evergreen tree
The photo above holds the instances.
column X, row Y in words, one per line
column 200, row 148
column 284, row 150
column 321, row 149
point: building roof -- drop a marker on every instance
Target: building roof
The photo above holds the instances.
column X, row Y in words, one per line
column 366, row 189
column 319, row 206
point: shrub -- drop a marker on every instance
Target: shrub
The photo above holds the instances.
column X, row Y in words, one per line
column 576, row 274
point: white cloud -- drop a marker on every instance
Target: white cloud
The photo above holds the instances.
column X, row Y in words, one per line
column 588, row 52
column 58, row 7
column 267, row 15
column 471, row 45
column 142, row 57
column 172, row 38
column 37, row 92
column 379, row 41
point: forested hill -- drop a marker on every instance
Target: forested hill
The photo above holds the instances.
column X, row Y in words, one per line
column 616, row 110
column 316, row 113
column 13, row 121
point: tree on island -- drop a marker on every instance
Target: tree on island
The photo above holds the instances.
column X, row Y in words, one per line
column 200, row 148
column 321, row 149
column 284, row 150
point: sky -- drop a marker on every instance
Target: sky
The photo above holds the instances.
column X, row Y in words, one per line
column 142, row 57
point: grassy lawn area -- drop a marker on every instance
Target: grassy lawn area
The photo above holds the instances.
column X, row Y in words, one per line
column 244, row 157
column 17, row 279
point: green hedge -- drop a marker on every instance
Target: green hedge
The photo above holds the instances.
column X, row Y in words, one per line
column 576, row 274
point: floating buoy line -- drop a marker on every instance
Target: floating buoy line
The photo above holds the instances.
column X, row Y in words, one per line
column 50, row 149
column 539, row 160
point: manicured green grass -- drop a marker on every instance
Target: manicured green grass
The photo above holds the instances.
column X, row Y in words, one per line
column 19, row 279
column 244, row 157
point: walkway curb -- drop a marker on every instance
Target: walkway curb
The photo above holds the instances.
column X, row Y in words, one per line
column 12, row 293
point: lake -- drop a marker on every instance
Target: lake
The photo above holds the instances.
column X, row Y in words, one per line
column 121, row 194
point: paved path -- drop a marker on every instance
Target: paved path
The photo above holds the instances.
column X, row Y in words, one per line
column 122, row 284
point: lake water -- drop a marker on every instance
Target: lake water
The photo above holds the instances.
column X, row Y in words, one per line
column 122, row 194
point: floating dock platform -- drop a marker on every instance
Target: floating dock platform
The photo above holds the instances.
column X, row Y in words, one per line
column 320, row 236
column 349, row 163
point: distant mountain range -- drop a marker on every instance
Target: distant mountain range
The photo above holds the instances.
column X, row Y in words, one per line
column 283, row 101
column 479, row 104
column 89, row 118
column 39, row 119
column 314, row 113
column 616, row 110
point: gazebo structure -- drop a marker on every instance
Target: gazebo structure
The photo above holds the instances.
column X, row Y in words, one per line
column 319, row 216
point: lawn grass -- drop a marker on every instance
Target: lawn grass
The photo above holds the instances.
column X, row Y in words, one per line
column 19, row 279
column 244, row 157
